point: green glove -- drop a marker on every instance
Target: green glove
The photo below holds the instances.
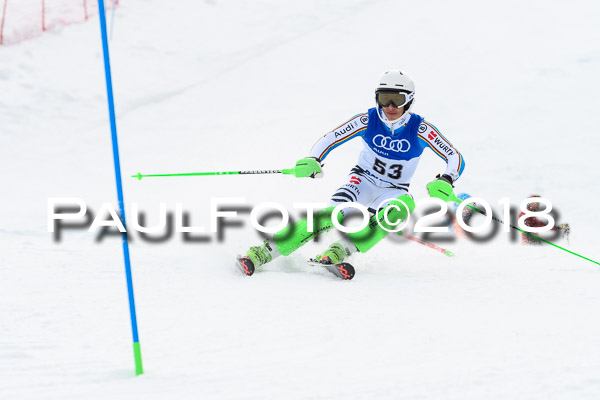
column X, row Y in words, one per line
column 307, row 167
column 441, row 188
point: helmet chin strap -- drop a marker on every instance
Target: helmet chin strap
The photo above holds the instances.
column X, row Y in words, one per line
column 395, row 123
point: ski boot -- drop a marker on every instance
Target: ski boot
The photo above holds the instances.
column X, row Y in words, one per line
column 255, row 257
column 335, row 254
column 332, row 259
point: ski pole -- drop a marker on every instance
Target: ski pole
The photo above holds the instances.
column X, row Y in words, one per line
column 430, row 245
column 256, row 172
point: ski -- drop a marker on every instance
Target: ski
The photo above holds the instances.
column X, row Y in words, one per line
column 245, row 265
column 342, row 270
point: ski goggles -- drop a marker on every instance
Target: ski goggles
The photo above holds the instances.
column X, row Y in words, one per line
column 397, row 99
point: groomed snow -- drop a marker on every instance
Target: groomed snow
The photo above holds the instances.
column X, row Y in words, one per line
column 217, row 86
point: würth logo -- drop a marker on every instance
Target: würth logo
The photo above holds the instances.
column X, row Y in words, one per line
column 355, row 180
column 432, row 135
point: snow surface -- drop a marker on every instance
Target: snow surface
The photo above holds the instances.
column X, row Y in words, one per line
column 216, row 86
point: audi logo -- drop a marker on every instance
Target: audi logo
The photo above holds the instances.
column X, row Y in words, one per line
column 401, row 145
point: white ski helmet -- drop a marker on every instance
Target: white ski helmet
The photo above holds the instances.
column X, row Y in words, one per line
column 395, row 82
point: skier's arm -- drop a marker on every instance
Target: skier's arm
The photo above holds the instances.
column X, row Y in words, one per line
column 429, row 136
column 350, row 129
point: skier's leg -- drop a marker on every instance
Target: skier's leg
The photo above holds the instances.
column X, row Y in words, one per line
column 292, row 237
column 396, row 211
column 359, row 188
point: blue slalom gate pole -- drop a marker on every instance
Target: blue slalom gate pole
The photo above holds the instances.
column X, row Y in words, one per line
column 137, row 352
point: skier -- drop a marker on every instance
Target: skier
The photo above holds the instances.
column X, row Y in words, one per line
column 534, row 222
column 394, row 138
